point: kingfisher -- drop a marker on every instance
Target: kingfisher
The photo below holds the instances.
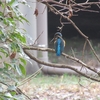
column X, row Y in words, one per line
column 59, row 43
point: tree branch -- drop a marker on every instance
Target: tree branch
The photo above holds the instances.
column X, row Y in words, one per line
column 65, row 10
column 63, row 54
column 60, row 66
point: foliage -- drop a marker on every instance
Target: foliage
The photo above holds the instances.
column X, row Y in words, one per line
column 13, row 41
column 12, row 38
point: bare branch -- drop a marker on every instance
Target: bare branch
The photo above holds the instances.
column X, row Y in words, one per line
column 87, row 1
column 65, row 55
column 38, row 38
column 60, row 66
column 61, row 27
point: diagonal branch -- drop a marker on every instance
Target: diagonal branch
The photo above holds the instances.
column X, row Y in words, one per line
column 65, row 55
column 59, row 66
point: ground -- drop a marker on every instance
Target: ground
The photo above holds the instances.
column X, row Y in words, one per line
column 64, row 87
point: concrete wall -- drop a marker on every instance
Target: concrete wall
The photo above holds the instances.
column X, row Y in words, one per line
column 37, row 25
column 31, row 32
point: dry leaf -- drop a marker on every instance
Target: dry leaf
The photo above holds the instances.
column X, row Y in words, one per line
column 12, row 56
column 36, row 12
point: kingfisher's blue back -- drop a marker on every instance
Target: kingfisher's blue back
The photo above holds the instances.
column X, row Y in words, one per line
column 59, row 46
column 59, row 43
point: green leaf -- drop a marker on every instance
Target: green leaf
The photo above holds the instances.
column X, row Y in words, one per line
column 0, row 2
column 6, row 65
column 4, row 51
column 8, row 95
column 9, row 22
column 23, row 61
column 1, row 89
column 22, row 68
column 2, row 37
column 23, row 18
column 7, row 74
column 0, row 57
column 18, row 69
column 6, row 22
column 1, row 31
column 1, row 16
column 1, row 69
column 14, row 46
column 18, row 37
column 12, row 3
column 21, row 38
column 11, row 88
column 13, row 93
column 12, row 37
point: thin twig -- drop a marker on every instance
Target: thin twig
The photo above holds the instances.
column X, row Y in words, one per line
column 84, row 50
column 73, row 52
column 87, row 1
column 38, row 38
column 19, row 91
column 83, row 54
column 61, row 27
column 93, row 50
column 30, row 77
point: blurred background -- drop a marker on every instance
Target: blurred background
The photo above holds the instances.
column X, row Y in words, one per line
column 45, row 24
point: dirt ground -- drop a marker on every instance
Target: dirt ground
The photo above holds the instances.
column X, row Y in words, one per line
column 62, row 90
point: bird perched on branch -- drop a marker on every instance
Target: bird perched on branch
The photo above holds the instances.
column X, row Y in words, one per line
column 59, row 43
